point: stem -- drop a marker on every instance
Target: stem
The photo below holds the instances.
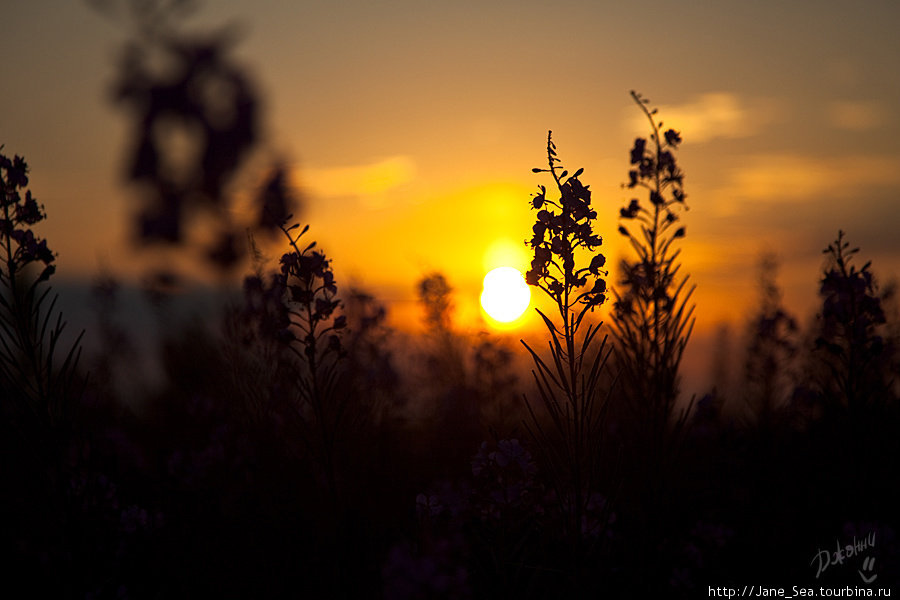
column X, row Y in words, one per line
column 311, row 358
column 658, row 392
column 569, row 330
column 21, row 314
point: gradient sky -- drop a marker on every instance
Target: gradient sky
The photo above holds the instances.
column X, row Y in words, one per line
column 412, row 128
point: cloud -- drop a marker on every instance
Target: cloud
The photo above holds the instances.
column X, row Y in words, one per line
column 369, row 182
column 715, row 115
column 800, row 179
column 855, row 116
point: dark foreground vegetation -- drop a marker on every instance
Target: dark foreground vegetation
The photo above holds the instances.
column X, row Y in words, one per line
column 300, row 448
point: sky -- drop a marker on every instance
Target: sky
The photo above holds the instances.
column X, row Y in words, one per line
column 411, row 128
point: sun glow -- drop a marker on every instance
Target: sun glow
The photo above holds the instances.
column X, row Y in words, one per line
column 506, row 295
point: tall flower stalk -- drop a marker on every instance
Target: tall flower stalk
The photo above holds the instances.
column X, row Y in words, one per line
column 568, row 268
column 298, row 307
column 314, row 337
column 35, row 387
column 850, row 342
column 653, row 317
column 771, row 349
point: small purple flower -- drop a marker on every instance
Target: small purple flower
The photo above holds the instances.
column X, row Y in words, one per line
column 428, row 505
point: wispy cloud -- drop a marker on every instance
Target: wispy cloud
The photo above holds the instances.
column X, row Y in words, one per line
column 796, row 178
column 717, row 115
column 369, row 182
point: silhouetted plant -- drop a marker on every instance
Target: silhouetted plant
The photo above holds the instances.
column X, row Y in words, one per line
column 286, row 349
column 569, row 382
column 314, row 337
column 370, row 360
column 653, row 319
column 708, row 409
column 447, row 361
column 434, row 293
column 254, row 348
column 37, row 385
column 41, row 515
column 890, row 301
column 116, row 354
column 494, row 376
column 771, row 347
column 255, row 329
column 447, row 399
column 849, row 342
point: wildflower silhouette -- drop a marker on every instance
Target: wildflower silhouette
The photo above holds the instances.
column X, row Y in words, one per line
column 370, row 359
column 296, row 309
column 569, row 384
column 447, row 360
column 849, row 341
column 563, row 226
column 36, row 386
column 314, row 337
column 446, row 384
column 495, row 378
column 771, row 348
column 653, row 320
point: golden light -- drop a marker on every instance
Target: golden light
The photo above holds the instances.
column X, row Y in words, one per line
column 506, row 295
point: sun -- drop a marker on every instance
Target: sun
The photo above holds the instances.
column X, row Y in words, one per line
column 506, row 295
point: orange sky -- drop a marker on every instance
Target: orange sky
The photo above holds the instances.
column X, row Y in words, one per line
column 411, row 129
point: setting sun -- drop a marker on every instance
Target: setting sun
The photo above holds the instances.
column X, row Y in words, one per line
column 506, row 295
